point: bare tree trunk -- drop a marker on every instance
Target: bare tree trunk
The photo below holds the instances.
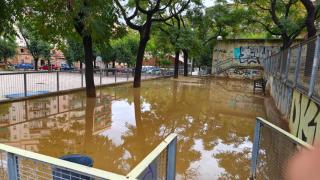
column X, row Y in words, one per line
column 36, row 60
column 49, row 64
column 5, row 61
column 144, row 38
column 176, row 64
column 185, row 62
column 90, row 87
column 310, row 19
column 80, row 65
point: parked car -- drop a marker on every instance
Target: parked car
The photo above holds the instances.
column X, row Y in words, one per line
column 66, row 67
column 46, row 67
column 24, row 66
column 154, row 70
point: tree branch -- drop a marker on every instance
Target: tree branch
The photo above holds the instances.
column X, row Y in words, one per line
column 128, row 19
column 172, row 15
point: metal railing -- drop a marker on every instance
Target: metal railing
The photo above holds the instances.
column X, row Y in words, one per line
column 18, row 164
column 298, row 67
column 16, row 85
column 281, row 144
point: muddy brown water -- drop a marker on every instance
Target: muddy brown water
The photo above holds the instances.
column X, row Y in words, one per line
column 214, row 119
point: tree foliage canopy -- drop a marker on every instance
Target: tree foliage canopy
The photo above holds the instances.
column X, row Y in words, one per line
column 7, row 48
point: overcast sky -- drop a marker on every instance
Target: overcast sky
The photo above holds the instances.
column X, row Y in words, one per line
column 208, row 3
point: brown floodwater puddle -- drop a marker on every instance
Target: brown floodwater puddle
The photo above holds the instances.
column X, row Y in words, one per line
column 214, row 119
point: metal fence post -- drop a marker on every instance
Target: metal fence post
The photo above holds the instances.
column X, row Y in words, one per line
column 127, row 74
column 100, row 76
column 58, row 87
column 287, row 65
column 81, row 77
column 314, row 68
column 12, row 167
column 255, row 149
column 296, row 73
column 171, row 159
column 115, row 75
column 25, row 84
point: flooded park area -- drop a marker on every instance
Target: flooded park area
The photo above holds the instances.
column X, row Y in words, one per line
column 214, row 119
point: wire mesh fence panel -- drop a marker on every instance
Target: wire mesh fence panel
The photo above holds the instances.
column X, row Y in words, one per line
column 32, row 169
column 284, row 61
column 275, row 150
column 157, row 169
column 123, row 75
column 317, row 82
column 306, row 62
column 294, row 56
column 96, row 77
column 41, row 83
column 69, row 80
column 3, row 165
column 278, row 64
column 12, row 84
column 273, row 65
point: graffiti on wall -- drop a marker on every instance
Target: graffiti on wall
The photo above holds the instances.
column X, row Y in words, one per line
column 253, row 54
column 304, row 118
column 281, row 94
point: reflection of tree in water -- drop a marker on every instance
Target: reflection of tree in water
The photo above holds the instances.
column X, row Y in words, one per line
column 235, row 163
column 184, row 108
column 79, row 138
column 187, row 110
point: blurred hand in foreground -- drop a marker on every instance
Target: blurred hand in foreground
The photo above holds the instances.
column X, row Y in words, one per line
column 304, row 165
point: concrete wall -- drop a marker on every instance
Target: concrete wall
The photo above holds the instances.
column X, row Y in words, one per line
column 304, row 118
column 245, row 48
column 244, row 51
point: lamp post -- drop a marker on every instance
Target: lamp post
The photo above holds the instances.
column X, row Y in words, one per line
column 219, row 38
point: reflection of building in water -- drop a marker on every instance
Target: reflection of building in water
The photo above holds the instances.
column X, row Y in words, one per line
column 22, row 124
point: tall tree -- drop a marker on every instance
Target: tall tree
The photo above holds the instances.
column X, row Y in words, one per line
column 10, row 11
column 280, row 18
column 36, row 46
column 311, row 29
column 311, row 17
column 73, row 51
column 7, row 49
column 145, row 13
column 88, row 20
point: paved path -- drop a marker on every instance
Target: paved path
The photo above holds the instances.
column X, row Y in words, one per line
column 13, row 83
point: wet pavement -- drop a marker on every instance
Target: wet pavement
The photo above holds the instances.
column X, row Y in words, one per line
column 214, row 119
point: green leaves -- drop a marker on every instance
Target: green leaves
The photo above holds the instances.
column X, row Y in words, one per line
column 57, row 19
column 73, row 51
column 10, row 11
column 7, row 48
column 122, row 49
column 38, row 47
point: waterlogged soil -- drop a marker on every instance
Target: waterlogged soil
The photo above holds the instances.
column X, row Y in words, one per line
column 214, row 120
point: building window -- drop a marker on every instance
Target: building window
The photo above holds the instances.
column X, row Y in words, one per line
column 22, row 50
